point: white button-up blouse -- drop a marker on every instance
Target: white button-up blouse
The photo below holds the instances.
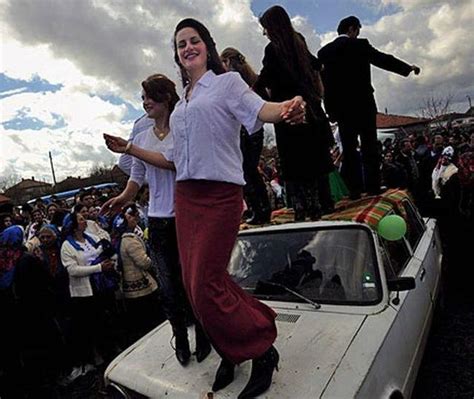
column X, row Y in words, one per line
column 206, row 128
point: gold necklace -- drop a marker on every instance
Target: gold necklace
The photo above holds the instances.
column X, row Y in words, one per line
column 160, row 133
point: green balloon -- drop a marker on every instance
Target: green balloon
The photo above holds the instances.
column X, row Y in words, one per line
column 392, row 227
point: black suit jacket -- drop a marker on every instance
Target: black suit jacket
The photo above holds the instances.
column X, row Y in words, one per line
column 346, row 74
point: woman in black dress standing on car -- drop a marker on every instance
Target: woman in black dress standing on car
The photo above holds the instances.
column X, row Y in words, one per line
column 290, row 69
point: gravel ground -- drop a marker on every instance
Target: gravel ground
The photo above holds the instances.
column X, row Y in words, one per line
column 447, row 368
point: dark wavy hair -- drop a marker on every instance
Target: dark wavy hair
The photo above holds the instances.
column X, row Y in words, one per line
column 291, row 48
column 161, row 89
column 213, row 61
column 238, row 63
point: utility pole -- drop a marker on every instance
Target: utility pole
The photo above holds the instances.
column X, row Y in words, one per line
column 52, row 167
column 469, row 99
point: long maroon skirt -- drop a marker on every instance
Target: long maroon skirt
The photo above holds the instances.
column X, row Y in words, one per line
column 207, row 220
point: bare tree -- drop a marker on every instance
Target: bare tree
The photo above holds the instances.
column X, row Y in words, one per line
column 9, row 180
column 99, row 169
column 436, row 108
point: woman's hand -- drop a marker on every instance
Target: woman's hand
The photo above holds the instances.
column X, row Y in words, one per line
column 113, row 206
column 107, row 265
column 115, row 143
column 294, row 111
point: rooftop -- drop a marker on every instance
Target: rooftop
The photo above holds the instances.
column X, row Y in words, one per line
column 385, row 121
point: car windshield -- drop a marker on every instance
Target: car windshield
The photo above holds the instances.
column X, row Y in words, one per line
column 330, row 265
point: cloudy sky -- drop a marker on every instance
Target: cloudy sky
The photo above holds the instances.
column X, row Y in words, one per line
column 71, row 69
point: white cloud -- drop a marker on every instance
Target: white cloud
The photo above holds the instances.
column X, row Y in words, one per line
column 433, row 35
column 13, row 91
column 74, row 153
column 76, row 146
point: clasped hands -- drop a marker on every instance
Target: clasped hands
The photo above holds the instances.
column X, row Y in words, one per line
column 294, row 111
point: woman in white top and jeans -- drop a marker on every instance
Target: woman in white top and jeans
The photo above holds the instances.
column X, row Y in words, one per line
column 206, row 126
column 159, row 99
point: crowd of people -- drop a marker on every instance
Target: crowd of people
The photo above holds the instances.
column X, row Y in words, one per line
column 69, row 292
column 91, row 278
column 438, row 170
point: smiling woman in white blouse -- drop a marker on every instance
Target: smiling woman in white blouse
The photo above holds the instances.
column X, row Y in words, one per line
column 206, row 126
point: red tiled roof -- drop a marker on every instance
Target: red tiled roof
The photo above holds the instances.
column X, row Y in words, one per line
column 28, row 183
column 385, row 121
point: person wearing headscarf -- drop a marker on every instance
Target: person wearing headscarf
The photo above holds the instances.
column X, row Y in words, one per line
column 139, row 288
column 92, row 293
column 34, row 312
column 11, row 251
column 443, row 172
column 50, row 254
column 447, row 190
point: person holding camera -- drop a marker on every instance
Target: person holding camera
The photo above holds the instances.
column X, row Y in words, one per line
column 79, row 254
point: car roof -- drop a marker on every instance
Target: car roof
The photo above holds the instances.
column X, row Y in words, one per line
column 368, row 211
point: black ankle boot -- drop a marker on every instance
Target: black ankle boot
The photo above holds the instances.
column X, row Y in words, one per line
column 203, row 346
column 261, row 376
column 183, row 353
column 224, row 375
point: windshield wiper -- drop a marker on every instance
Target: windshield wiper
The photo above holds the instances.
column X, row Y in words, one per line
column 297, row 294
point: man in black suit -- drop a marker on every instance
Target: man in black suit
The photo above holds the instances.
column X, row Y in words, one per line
column 349, row 101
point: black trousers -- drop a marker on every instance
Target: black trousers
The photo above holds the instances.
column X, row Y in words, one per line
column 93, row 327
column 165, row 258
column 143, row 315
column 305, row 199
column 255, row 191
column 361, row 124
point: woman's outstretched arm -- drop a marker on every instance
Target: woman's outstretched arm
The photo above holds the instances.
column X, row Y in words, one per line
column 119, row 145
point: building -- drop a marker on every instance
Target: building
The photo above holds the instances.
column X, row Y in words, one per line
column 403, row 123
column 28, row 189
column 114, row 175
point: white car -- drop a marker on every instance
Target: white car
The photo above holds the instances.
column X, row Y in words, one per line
column 353, row 310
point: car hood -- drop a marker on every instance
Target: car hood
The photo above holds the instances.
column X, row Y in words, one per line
column 311, row 345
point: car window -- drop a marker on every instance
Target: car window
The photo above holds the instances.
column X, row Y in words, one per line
column 390, row 272
column 396, row 256
column 415, row 225
column 335, row 265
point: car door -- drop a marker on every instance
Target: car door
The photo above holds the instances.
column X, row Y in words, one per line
column 412, row 307
column 423, row 238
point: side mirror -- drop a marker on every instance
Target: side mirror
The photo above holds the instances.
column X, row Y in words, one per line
column 401, row 284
